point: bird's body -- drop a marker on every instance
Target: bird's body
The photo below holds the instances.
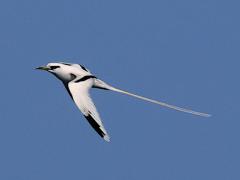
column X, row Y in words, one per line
column 78, row 81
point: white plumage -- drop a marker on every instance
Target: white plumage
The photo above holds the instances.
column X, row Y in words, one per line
column 80, row 93
column 78, row 80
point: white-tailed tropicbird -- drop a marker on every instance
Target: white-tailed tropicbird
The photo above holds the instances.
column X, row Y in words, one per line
column 78, row 80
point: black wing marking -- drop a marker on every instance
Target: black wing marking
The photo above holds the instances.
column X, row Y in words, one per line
column 67, row 64
column 83, row 67
column 95, row 125
column 84, row 78
column 81, row 97
column 68, row 90
column 98, row 87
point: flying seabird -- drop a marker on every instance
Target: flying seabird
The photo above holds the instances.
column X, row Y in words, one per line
column 78, row 80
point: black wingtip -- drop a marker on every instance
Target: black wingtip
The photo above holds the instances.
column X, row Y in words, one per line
column 96, row 126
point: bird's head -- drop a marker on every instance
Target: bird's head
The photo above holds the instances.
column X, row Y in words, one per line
column 65, row 71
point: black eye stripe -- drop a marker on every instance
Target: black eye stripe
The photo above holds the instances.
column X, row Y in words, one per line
column 54, row 67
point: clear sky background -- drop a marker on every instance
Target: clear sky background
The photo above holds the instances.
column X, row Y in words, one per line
column 182, row 52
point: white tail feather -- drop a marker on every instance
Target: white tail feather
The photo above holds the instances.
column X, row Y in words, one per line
column 161, row 103
column 100, row 84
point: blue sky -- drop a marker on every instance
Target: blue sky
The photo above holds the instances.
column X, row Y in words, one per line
column 182, row 52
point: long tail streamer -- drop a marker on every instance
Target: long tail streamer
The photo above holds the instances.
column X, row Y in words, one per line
column 161, row 103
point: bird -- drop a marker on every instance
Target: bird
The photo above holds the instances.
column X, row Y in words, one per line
column 78, row 80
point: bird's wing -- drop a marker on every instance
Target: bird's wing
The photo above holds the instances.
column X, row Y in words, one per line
column 80, row 94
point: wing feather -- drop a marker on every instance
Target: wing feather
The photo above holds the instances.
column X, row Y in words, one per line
column 80, row 95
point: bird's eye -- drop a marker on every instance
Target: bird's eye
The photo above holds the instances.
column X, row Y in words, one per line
column 54, row 67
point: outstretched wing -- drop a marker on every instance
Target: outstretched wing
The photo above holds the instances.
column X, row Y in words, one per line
column 79, row 90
